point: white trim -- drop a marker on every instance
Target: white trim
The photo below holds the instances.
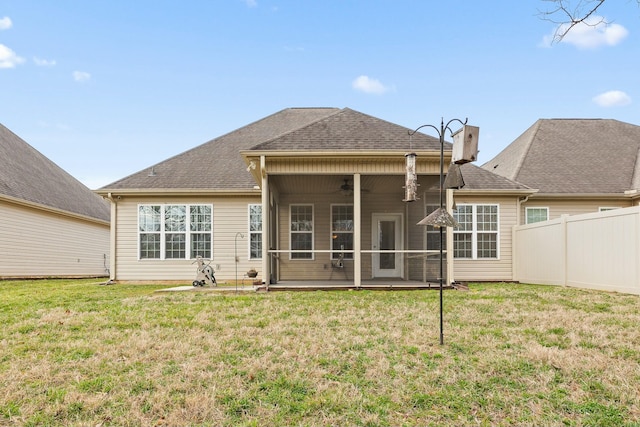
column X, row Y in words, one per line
column 474, row 232
column 526, row 213
column 249, row 232
column 331, row 231
column 162, row 232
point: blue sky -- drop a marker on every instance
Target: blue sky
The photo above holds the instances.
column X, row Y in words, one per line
column 106, row 88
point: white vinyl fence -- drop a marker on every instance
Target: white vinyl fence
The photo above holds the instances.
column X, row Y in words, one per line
column 595, row 251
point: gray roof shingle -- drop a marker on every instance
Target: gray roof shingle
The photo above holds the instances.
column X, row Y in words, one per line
column 349, row 130
column 217, row 164
column 28, row 175
column 573, row 156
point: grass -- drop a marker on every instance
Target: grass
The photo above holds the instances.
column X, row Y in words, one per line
column 73, row 353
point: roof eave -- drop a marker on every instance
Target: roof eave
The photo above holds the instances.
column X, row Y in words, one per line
column 494, row 192
column 587, row 195
column 113, row 192
column 339, row 154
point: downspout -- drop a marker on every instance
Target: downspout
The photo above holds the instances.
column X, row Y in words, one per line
column 449, row 242
column 112, row 236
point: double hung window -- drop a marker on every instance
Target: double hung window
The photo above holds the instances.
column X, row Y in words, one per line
column 255, row 231
column 477, row 235
column 175, row 231
column 301, row 231
column 341, row 231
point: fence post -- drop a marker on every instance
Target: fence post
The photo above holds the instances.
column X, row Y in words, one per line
column 565, row 257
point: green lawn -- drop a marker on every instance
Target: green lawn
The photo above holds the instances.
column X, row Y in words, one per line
column 73, row 353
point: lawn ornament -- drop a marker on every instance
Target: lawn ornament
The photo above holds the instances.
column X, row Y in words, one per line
column 205, row 274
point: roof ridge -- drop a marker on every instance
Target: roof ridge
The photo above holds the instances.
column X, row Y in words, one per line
column 528, row 146
column 338, row 111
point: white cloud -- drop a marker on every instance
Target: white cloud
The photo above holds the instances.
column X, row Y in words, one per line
column 612, row 98
column 368, row 85
column 5, row 23
column 81, row 76
column 593, row 34
column 8, row 58
column 43, row 62
column 251, row 3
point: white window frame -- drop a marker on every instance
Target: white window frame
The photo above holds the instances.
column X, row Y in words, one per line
column 475, row 232
column 162, row 232
column 251, row 232
column 332, row 232
column 292, row 232
column 531, row 208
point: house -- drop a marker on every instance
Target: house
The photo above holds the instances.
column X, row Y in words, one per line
column 310, row 194
column 577, row 165
column 51, row 225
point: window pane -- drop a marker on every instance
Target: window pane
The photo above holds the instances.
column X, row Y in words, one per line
column 255, row 246
column 150, row 246
column 201, row 245
column 464, row 216
column 487, row 245
column 200, row 217
column 487, row 217
column 149, row 218
column 537, row 215
column 462, row 245
column 342, row 218
column 174, row 245
column 301, row 241
column 342, row 241
column 255, row 217
column 301, row 218
column 175, row 218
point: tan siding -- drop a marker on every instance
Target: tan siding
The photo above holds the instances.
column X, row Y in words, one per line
column 336, row 166
column 230, row 216
column 559, row 207
column 491, row 270
column 36, row 243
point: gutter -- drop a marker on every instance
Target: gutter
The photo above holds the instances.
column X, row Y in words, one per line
column 46, row 208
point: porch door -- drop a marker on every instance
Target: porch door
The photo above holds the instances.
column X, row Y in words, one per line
column 386, row 235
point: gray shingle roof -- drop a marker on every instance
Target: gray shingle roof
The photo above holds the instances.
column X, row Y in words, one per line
column 349, row 130
column 217, row 164
column 28, row 175
column 476, row 178
column 573, row 156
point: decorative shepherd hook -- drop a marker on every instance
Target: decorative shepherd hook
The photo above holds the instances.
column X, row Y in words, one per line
column 442, row 218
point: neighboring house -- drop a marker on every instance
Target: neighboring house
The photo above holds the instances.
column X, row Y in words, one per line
column 577, row 165
column 309, row 194
column 51, row 225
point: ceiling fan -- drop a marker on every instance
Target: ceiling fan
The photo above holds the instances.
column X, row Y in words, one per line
column 346, row 189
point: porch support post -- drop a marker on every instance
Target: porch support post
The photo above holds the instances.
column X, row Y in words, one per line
column 266, row 264
column 357, row 232
column 449, row 237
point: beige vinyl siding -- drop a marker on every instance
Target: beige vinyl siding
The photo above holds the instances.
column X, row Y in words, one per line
column 230, row 216
column 558, row 207
column 39, row 243
column 394, row 166
column 490, row 269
